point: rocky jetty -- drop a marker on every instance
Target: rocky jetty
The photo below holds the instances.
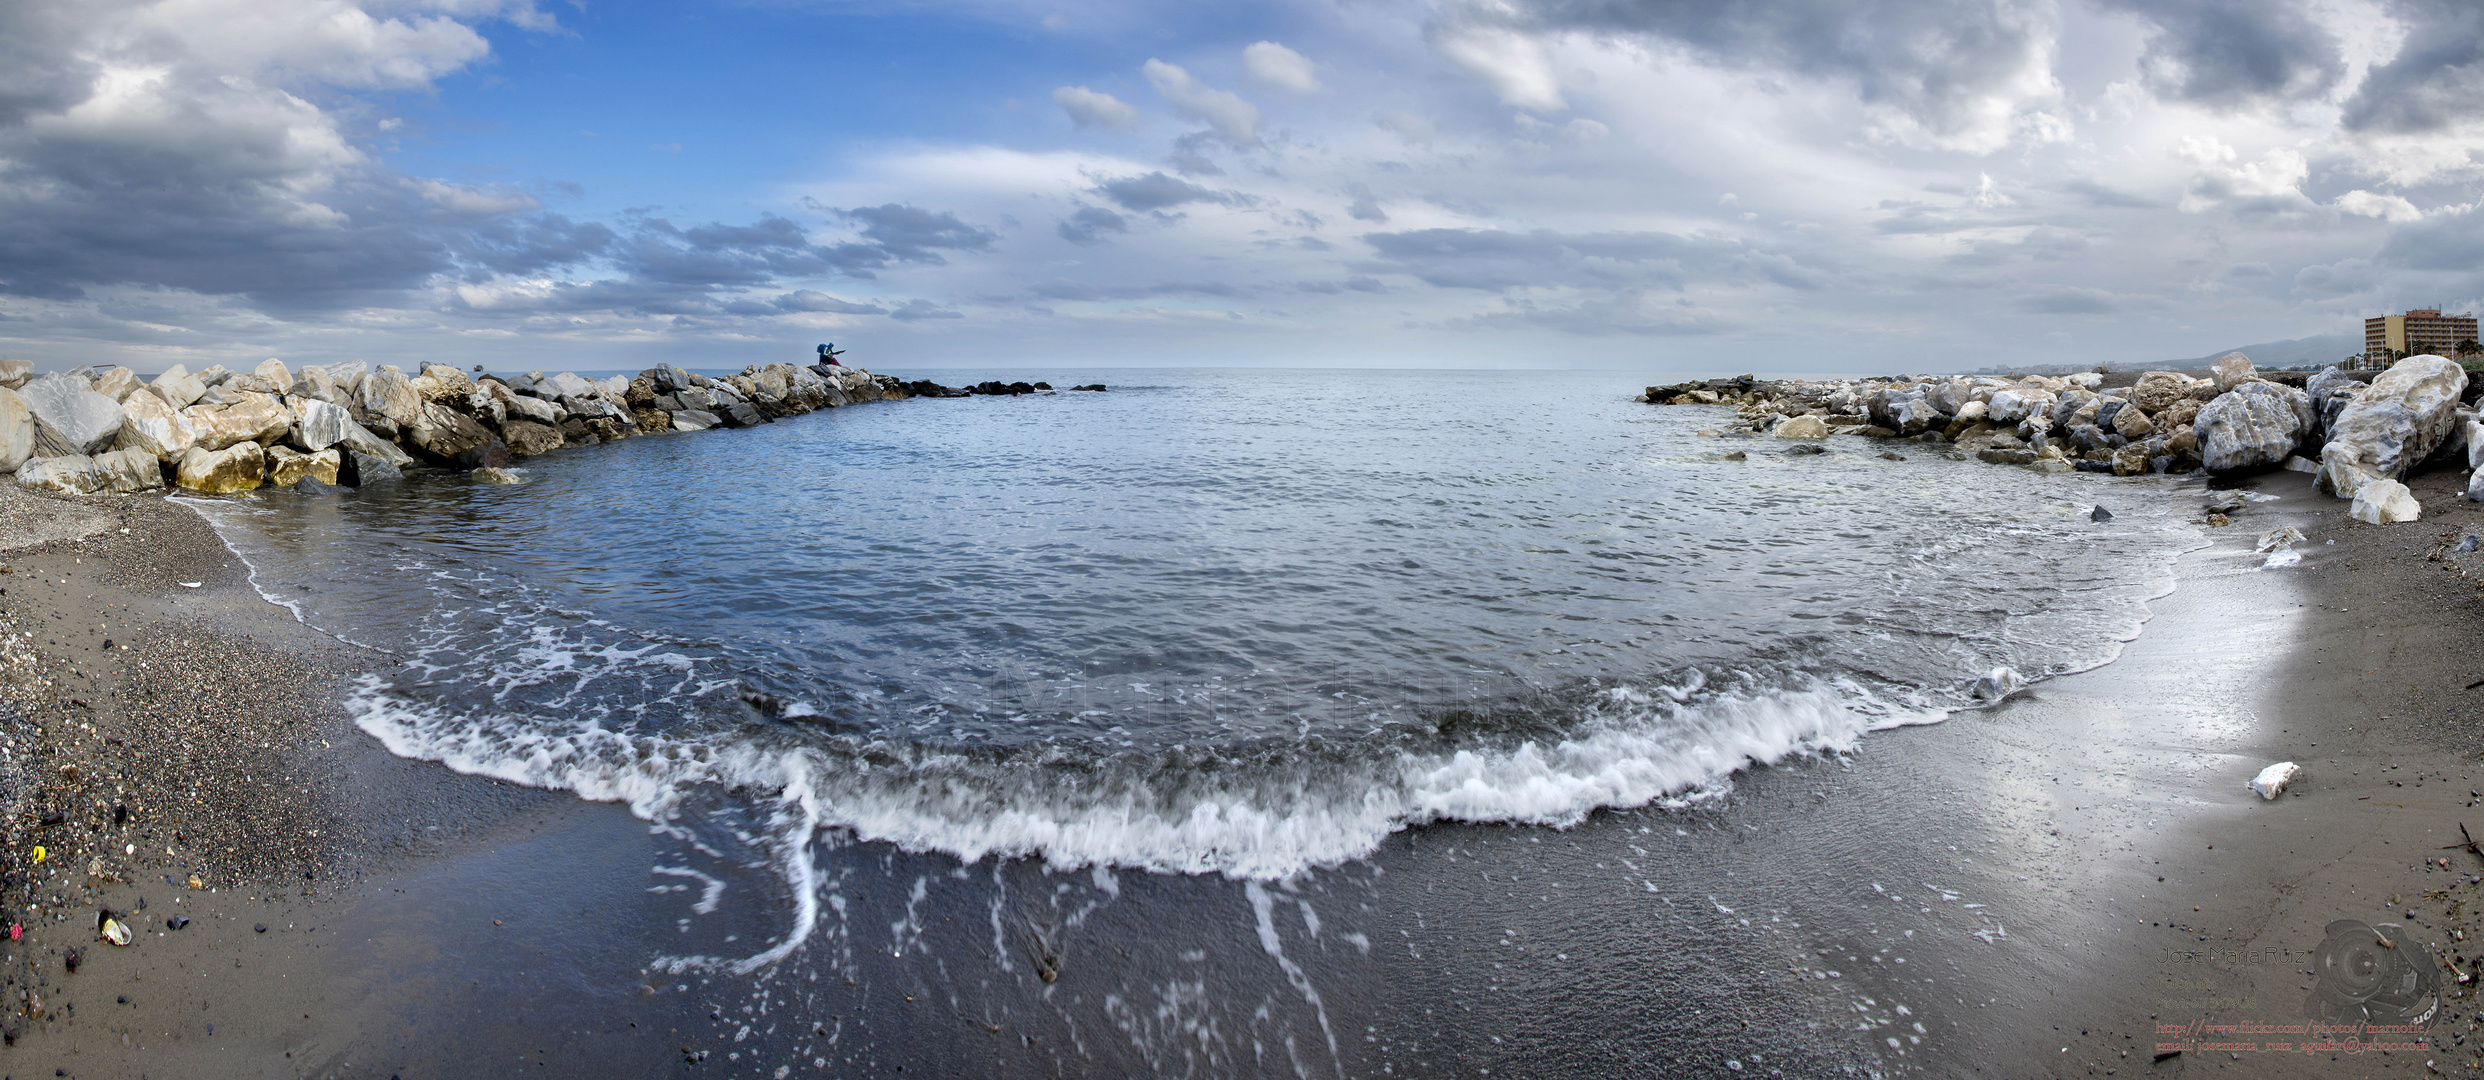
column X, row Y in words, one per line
column 217, row 431
column 2360, row 431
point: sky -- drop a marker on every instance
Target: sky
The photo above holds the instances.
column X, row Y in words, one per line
column 1693, row 186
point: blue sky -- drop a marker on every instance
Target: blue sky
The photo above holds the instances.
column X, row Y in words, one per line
column 1648, row 185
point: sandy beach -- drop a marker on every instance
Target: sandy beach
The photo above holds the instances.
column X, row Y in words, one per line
column 2056, row 886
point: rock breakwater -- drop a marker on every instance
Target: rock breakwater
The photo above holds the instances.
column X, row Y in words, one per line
column 2360, row 431
column 218, row 431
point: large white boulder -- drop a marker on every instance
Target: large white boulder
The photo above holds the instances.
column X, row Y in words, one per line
column 2399, row 420
column 116, row 383
column 273, row 372
column 2381, row 501
column 127, row 471
column 15, row 373
column 177, row 387
column 66, row 474
column 16, row 431
column 318, row 425
column 389, row 401
column 1802, row 427
column 148, row 424
column 70, row 418
column 250, row 417
column 2256, row 425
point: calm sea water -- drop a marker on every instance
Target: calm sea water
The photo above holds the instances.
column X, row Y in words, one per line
column 1220, row 623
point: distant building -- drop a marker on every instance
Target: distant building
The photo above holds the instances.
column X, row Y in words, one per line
column 2419, row 331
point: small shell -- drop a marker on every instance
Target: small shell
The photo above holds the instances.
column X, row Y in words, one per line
column 115, row 931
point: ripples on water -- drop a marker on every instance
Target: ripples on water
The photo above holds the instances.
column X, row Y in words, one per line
column 1209, row 622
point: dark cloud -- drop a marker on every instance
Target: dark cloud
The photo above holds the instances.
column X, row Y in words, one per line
column 2227, row 52
column 1936, row 60
column 1089, row 225
column 2345, row 277
column 2439, row 242
column 1155, row 191
column 2437, row 78
column 895, row 233
column 1365, row 207
column 1495, row 260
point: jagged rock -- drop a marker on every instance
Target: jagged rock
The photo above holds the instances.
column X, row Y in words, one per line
column 440, row 382
column 389, row 403
column 1974, row 412
column 2180, row 414
column 318, row 425
column 742, row 414
column 2131, row 422
column 69, row 418
column 116, row 383
column 2232, row 369
column 214, row 375
column 2389, row 426
column 65, row 474
column 653, row 419
column 148, row 424
column 526, row 438
column 275, row 374
column 567, row 385
column 523, row 407
column 2475, row 486
column 241, row 467
column 2157, row 391
column 15, row 373
column 251, row 382
column 488, row 454
column 670, row 380
column 316, row 383
column 258, row 418
column 695, row 420
column 286, row 466
column 177, row 387
column 16, row 429
column 359, row 438
column 2257, row 425
column 1802, row 427
column 492, row 474
column 2331, row 382
column 2381, row 501
column 127, row 471
column 694, row 398
column 445, row 433
column 1914, row 416
column 2134, row 459
column 358, row 468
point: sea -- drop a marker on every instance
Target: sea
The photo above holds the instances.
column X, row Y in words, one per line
column 1166, row 730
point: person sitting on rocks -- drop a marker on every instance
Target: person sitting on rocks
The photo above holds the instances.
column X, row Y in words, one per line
column 828, row 355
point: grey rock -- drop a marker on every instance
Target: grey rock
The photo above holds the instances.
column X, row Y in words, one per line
column 2256, row 425
column 389, row 403
column 743, row 414
column 567, row 385
column 149, row 424
column 214, row 375
column 695, row 420
column 445, row 433
column 670, row 379
column 526, row 438
column 360, row 469
column 695, row 398
column 360, row 439
column 488, row 454
column 318, row 425
column 73, row 418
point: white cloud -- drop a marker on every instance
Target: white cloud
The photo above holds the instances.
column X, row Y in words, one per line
column 1095, row 108
column 1514, row 63
column 1233, row 119
column 1280, row 67
column 2386, row 207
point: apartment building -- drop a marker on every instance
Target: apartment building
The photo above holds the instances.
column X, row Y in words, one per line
column 2419, row 331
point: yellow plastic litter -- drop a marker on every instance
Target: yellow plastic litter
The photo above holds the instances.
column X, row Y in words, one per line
column 195, row 883
column 38, row 853
column 115, row 932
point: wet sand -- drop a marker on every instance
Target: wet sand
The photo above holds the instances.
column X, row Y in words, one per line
column 2009, row 893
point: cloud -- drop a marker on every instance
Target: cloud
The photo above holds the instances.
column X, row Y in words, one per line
column 1966, row 73
column 2345, row 277
column 1095, row 108
column 1234, row 120
column 2230, row 52
column 2452, row 241
column 1156, row 191
column 2435, row 82
column 1511, row 60
column 1365, row 206
column 1496, row 260
column 1280, row 67
column 1633, row 312
column 2388, row 207
column 919, row 308
column 811, row 300
column 1064, row 289
column 1408, row 126
column 2071, row 301
column 1089, row 225
column 896, row 233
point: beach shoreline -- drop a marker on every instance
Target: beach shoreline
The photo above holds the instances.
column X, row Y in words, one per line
column 2017, row 809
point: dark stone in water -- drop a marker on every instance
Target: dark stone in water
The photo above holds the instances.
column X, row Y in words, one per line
column 928, row 388
column 2005, row 456
column 1806, row 449
column 2099, row 513
column 2093, row 466
column 491, row 453
column 1043, row 386
column 741, row 414
column 1098, row 387
column 361, row 470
